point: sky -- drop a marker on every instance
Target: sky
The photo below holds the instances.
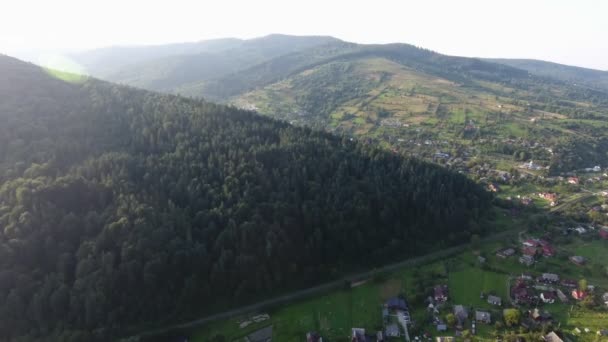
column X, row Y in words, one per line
column 571, row 32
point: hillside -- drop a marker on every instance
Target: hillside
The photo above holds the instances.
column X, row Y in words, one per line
column 121, row 207
column 410, row 100
column 567, row 73
column 170, row 67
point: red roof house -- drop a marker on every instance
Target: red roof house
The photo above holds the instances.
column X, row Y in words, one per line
column 604, row 233
column 578, row 294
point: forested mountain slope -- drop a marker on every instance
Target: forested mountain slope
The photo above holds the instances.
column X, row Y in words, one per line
column 121, row 207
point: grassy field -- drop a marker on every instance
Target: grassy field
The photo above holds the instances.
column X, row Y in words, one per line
column 335, row 313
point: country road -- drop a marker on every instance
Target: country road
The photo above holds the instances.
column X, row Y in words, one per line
column 300, row 294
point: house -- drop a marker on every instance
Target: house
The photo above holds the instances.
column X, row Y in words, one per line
column 538, row 316
column 521, row 294
column 442, row 327
column 526, row 260
column 262, row 335
column 507, row 252
column 577, row 260
column 526, row 201
column 461, row 313
column 578, row 294
column 313, row 337
column 445, row 339
column 569, row 283
column 549, row 196
column 483, row 317
column 548, row 297
column 530, row 243
column 529, row 251
column 549, row 278
column 392, row 330
column 552, row 337
column 603, row 233
column 494, row 300
column 573, row 180
column 396, row 303
column 562, row 296
column 580, row 230
column 440, row 293
column 605, row 298
column 481, row 259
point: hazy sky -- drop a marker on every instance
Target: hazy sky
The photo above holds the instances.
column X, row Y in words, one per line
column 572, row 32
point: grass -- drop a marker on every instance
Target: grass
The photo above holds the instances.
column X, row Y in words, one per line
column 467, row 284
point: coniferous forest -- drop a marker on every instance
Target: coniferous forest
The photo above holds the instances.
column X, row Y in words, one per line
column 120, row 207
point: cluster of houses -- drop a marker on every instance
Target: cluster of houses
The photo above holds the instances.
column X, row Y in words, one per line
column 546, row 288
column 549, row 196
column 531, row 249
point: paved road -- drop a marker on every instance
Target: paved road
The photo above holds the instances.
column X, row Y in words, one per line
column 317, row 289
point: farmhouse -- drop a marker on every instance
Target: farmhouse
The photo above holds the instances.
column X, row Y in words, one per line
column 507, row 252
column 494, row 300
column 483, row 317
column 440, row 293
column 548, row 297
column 577, row 260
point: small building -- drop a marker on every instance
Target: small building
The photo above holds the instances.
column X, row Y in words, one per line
column 493, row 187
column 483, row 317
column 481, row 259
column 358, row 335
column 379, row 336
column 392, row 330
column 505, row 253
column 444, row 339
column 461, row 313
column 562, row 296
column 552, row 337
column 494, row 300
column 440, row 293
column 603, row 233
column 578, row 260
column 396, row 304
column 573, row 180
column 605, row 298
column 569, row 283
column 548, row 250
column 530, row 251
column 442, row 327
column 526, row 260
column 548, row 297
column 578, row 294
column 549, row 278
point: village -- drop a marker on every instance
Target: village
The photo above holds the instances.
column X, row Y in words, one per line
column 548, row 287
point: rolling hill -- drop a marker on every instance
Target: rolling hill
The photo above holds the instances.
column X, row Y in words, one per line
column 121, row 208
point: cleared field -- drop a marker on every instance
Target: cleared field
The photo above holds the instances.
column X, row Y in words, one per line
column 467, row 284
